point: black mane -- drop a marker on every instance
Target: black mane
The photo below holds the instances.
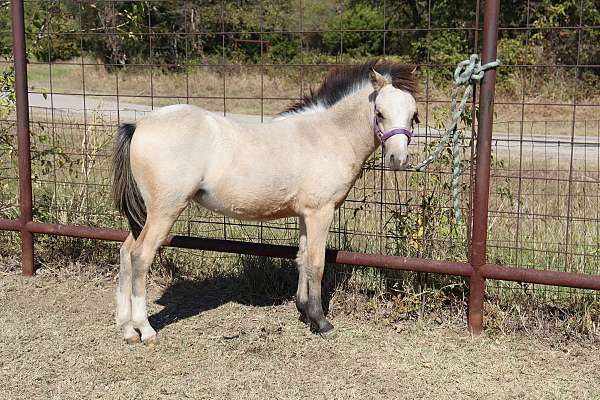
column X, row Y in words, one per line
column 343, row 81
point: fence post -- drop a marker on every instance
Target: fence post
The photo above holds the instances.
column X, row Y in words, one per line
column 25, row 197
column 482, row 172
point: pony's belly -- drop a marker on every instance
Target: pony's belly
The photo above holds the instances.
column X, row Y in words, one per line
column 247, row 208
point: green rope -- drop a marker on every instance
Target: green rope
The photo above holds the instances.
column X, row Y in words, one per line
column 467, row 72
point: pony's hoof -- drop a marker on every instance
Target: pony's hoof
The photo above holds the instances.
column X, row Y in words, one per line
column 330, row 334
column 151, row 341
column 133, row 340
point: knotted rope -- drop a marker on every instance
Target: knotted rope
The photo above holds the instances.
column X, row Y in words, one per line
column 466, row 73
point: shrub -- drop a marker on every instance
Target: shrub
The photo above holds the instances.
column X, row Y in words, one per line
column 51, row 27
column 359, row 16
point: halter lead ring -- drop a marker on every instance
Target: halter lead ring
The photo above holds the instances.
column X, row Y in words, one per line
column 385, row 135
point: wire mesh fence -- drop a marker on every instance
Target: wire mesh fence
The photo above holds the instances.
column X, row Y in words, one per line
column 96, row 64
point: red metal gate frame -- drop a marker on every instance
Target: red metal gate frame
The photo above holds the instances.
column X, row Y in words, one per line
column 477, row 269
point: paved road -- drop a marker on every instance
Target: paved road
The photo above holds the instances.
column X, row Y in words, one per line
column 549, row 147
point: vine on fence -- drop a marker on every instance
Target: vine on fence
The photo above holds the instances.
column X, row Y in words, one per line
column 467, row 73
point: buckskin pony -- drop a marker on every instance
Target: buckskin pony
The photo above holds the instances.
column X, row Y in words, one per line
column 301, row 164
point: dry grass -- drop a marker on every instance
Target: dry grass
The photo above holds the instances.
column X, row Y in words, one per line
column 556, row 220
column 58, row 340
column 548, row 94
column 206, row 85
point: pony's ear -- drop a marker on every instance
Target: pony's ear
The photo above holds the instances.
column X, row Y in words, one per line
column 377, row 80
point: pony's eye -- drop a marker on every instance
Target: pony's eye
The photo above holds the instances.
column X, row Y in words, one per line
column 379, row 115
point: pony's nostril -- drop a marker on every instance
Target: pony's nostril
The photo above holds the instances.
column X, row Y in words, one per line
column 392, row 163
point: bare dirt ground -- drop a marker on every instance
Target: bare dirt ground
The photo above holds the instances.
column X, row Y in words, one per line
column 58, row 341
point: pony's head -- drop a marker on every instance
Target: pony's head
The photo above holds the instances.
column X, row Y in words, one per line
column 394, row 110
column 395, row 113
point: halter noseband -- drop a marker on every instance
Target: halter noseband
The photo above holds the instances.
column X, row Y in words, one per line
column 385, row 135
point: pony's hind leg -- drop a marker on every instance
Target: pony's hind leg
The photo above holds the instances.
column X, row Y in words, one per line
column 302, row 264
column 317, row 228
column 123, row 313
column 157, row 227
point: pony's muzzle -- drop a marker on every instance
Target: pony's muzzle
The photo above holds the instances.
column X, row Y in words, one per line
column 398, row 163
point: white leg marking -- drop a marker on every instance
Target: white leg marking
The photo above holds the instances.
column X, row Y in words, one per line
column 123, row 293
column 123, row 314
column 140, row 317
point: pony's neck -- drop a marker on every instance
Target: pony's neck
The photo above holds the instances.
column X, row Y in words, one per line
column 353, row 116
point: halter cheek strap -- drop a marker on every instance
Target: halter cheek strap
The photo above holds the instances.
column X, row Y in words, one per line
column 385, row 135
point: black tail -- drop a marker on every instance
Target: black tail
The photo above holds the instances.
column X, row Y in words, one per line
column 126, row 195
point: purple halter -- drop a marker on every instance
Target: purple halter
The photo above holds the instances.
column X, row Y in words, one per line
column 383, row 136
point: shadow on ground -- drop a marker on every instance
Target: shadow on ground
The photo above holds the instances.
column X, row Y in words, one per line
column 259, row 282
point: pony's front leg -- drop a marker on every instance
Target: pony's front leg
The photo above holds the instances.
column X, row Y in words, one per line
column 143, row 251
column 302, row 264
column 123, row 312
column 317, row 228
